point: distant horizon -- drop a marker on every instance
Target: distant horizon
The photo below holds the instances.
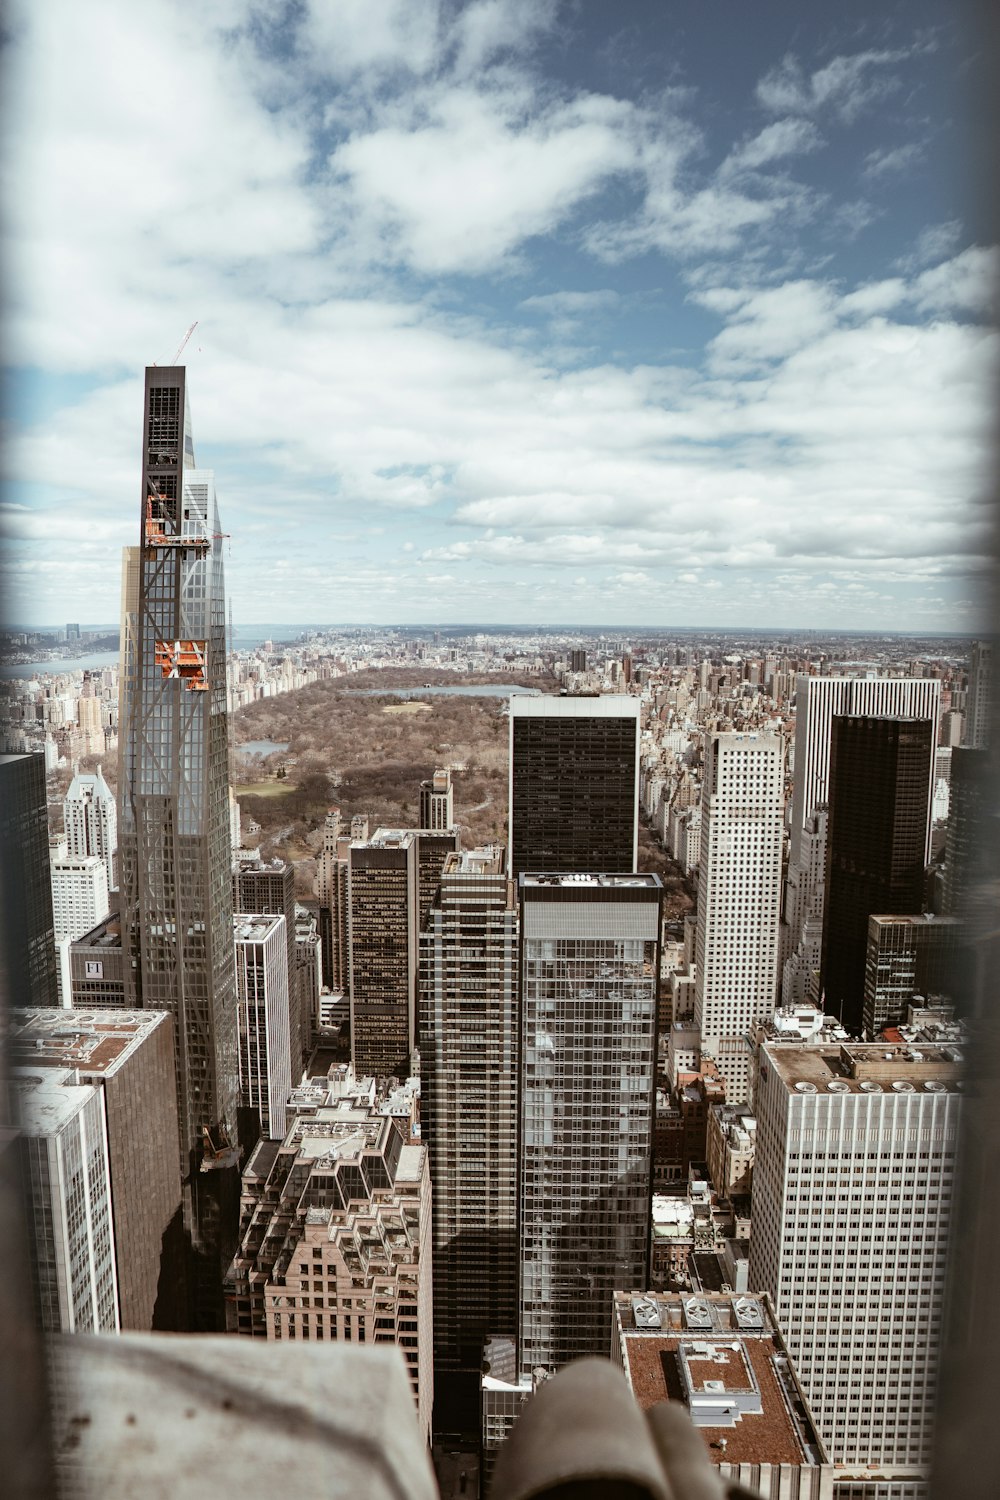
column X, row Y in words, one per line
column 537, row 627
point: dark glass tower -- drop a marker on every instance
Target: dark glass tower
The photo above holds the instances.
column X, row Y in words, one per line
column 574, row 784
column 28, row 946
column 468, row 1057
column 176, row 890
column 879, row 779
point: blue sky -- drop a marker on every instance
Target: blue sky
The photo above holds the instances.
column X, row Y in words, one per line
column 512, row 310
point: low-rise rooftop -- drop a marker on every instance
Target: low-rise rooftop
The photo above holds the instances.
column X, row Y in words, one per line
column 866, row 1067
column 95, row 1041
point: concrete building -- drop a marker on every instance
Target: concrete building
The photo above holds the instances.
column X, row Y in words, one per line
column 333, row 893
column 879, row 789
column 724, row 1358
column 589, row 966
column 97, row 977
column 64, row 1168
column 908, row 957
column 262, row 995
column 128, row 1056
column 574, row 784
column 90, row 819
column 433, row 849
column 851, row 1215
column 335, row 1240
column 384, row 907
column 268, row 886
column 437, row 806
column 308, row 967
column 469, row 1049
column 801, row 938
column 739, row 898
column 79, row 902
column 730, row 1146
column 28, row 972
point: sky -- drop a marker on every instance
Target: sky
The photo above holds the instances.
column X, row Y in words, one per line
column 661, row 312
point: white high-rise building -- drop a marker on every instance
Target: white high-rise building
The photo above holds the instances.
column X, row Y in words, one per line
column 818, row 700
column 79, row 902
column 804, row 892
column 64, row 1156
column 91, row 820
column 739, row 898
column 980, row 700
column 853, row 1180
column 262, row 991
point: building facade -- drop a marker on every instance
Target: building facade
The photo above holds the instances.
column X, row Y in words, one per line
column 589, row 969
column 176, row 891
column 739, row 898
column 28, row 948
column 469, row 1045
column 67, row 1186
column 335, row 1240
column 909, row 957
column 574, row 784
column 129, row 1057
column 851, row 1215
column 90, row 818
column 262, row 991
column 383, row 944
column 268, row 886
column 879, row 790
column 437, row 802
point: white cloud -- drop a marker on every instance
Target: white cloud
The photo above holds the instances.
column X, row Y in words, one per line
column 789, row 137
column 462, row 191
column 884, row 161
column 847, row 85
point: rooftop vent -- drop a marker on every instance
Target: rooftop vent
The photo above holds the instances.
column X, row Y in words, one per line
column 646, row 1313
column 697, row 1313
column 838, row 1086
column 870, row 1086
column 903, row 1086
column 935, row 1086
column 804, row 1087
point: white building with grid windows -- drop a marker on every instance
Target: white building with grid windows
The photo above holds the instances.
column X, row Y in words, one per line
column 739, row 898
column 855, row 1155
column 263, row 1006
column 67, row 1185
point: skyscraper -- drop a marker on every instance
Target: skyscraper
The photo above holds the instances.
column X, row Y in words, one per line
column 90, row 819
column 263, row 986
column 879, row 790
column 468, row 1056
column 851, row 1208
column 176, row 895
column 909, row 956
column 739, row 898
column 384, row 905
column 64, row 1156
column 128, row 1056
column 28, row 937
column 818, row 700
column 589, row 971
column 979, row 706
column 437, row 809
column 260, row 886
column 574, row 784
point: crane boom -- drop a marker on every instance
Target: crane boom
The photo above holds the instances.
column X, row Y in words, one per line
column 183, row 342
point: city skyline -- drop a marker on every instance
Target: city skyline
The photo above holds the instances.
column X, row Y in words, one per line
column 673, row 328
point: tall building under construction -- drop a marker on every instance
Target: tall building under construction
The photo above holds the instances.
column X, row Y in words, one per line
column 176, row 893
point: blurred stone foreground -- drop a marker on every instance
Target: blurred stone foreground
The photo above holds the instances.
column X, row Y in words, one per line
column 182, row 1417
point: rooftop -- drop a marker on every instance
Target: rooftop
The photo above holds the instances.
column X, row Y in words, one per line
column 722, row 1356
column 48, row 1102
column 574, row 881
column 581, row 706
column 254, row 927
column 95, row 1041
column 866, row 1067
column 107, row 934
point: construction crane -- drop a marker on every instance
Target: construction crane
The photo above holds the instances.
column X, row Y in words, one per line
column 182, row 345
